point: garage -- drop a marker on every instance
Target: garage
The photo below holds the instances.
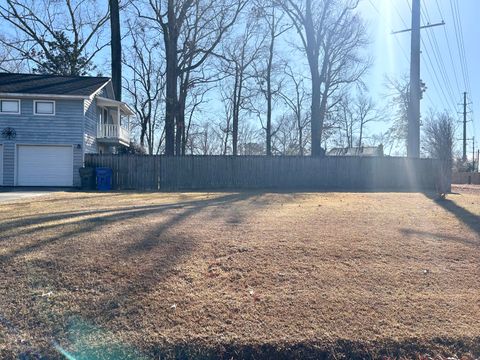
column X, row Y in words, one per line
column 44, row 165
column 1, row 165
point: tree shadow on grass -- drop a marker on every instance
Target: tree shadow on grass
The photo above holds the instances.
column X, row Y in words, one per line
column 65, row 268
column 440, row 237
column 89, row 221
column 466, row 217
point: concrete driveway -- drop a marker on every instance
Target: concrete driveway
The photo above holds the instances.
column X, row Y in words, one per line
column 13, row 195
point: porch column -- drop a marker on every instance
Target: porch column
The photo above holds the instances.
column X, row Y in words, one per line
column 119, row 131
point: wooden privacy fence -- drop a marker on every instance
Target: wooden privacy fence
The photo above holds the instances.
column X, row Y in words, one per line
column 466, row 178
column 148, row 172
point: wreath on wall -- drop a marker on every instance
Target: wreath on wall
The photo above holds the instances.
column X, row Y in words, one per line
column 9, row 133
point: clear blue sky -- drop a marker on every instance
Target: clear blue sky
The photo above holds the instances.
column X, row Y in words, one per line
column 441, row 71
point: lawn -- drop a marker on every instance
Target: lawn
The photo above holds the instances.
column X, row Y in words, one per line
column 240, row 275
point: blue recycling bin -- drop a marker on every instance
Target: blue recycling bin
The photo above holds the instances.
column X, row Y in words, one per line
column 104, row 179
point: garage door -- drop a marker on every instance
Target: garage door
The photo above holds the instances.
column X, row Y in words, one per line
column 1, row 165
column 44, row 165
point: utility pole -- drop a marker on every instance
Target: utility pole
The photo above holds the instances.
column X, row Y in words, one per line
column 478, row 160
column 473, row 155
column 413, row 139
column 464, row 158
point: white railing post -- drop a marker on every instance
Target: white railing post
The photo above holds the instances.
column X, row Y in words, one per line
column 113, row 131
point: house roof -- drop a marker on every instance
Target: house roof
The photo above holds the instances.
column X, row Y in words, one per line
column 30, row 84
column 357, row 151
column 111, row 102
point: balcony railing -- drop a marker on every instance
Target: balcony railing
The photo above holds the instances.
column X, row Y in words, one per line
column 112, row 131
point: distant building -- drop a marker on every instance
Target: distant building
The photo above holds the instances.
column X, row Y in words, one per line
column 357, row 151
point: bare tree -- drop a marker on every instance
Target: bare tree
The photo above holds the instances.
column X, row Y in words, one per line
column 397, row 108
column 366, row 112
column 331, row 34
column 239, row 55
column 145, row 85
column 211, row 20
column 204, row 140
column 9, row 60
column 190, row 104
column 267, row 11
column 250, row 140
column 352, row 114
column 295, row 97
column 439, row 136
column 344, row 118
column 285, row 139
column 57, row 36
column 225, row 127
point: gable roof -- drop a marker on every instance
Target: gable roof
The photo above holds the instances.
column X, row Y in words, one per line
column 30, row 84
column 357, row 151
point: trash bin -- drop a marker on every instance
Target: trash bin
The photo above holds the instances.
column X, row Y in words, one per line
column 87, row 175
column 104, row 179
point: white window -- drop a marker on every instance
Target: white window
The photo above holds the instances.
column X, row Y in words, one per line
column 8, row 106
column 42, row 107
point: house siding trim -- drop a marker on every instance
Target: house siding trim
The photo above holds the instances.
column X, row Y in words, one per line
column 43, row 96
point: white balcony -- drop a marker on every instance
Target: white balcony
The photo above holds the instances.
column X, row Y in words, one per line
column 113, row 133
column 113, row 122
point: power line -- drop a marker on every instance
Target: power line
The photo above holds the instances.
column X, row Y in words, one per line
column 398, row 41
column 439, row 61
column 400, row 15
column 461, row 48
column 434, row 44
column 454, row 67
column 459, row 18
column 459, row 42
column 437, row 84
column 431, row 70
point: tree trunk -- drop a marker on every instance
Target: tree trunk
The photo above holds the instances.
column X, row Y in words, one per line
column 171, row 39
column 361, row 135
column 143, row 133
column 180, row 125
column 151, row 138
column 316, row 117
column 180, row 137
column 269, row 92
column 300, row 140
column 321, row 119
column 171, row 101
column 116, row 49
column 237, row 95
column 186, row 131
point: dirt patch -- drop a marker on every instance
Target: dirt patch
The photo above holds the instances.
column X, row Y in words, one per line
column 240, row 275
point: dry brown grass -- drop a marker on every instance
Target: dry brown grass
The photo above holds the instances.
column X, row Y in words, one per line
column 241, row 275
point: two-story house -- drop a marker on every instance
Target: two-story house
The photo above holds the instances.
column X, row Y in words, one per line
column 49, row 122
